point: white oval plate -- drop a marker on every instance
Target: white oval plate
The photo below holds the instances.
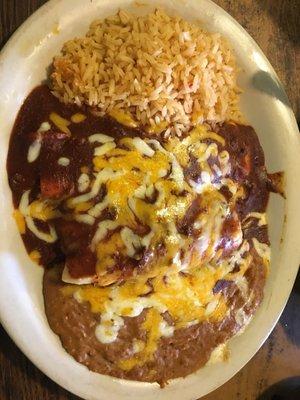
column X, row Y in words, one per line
column 23, row 65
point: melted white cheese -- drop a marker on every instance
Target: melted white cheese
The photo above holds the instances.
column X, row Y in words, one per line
column 63, row 161
column 34, row 150
column 262, row 218
column 107, row 331
column 210, row 308
column 224, row 162
column 142, row 147
column 100, row 138
column 50, row 237
column 131, row 240
column 44, row 127
column 165, row 329
column 262, row 249
column 102, row 230
column 140, row 192
column 98, row 208
column 105, row 148
column 146, row 240
column 85, row 218
column 35, row 147
column 102, row 177
column 219, row 354
column 157, row 145
column 177, row 173
column 83, row 182
column 24, row 208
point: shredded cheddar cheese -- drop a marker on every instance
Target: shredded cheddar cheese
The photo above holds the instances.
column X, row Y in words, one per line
column 151, row 326
column 60, row 122
column 43, row 210
column 77, row 118
column 123, row 118
column 20, row 221
column 35, row 255
column 25, row 210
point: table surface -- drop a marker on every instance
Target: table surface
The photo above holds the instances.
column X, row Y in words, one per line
column 274, row 372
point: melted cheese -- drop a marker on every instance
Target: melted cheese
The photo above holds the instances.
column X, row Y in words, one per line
column 77, row 118
column 44, row 127
column 103, row 228
column 107, row 331
column 105, row 148
column 63, row 161
column 35, row 147
column 98, row 208
column 131, row 241
column 158, row 128
column 263, row 250
column 151, row 326
column 85, row 219
column 60, row 122
column 202, row 133
column 34, row 150
column 123, row 118
column 103, row 176
column 145, row 186
column 83, row 182
column 100, row 138
column 35, row 255
column 25, row 209
column 42, row 210
column 261, row 217
column 20, row 221
column 177, row 173
column 142, row 147
column 224, row 162
column 219, row 354
column 165, row 329
column 50, row 237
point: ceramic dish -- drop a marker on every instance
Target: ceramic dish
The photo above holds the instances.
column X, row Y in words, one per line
column 23, row 65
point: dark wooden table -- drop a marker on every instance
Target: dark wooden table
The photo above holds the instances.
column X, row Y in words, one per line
column 274, row 373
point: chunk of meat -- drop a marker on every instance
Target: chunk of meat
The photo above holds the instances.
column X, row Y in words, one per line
column 56, row 184
column 74, row 239
column 231, row 234
column 73, row 235
column 59, row 181
column 56, row 181
column 81, row 264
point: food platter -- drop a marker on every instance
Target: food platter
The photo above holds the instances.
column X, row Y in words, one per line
column 26, row 58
